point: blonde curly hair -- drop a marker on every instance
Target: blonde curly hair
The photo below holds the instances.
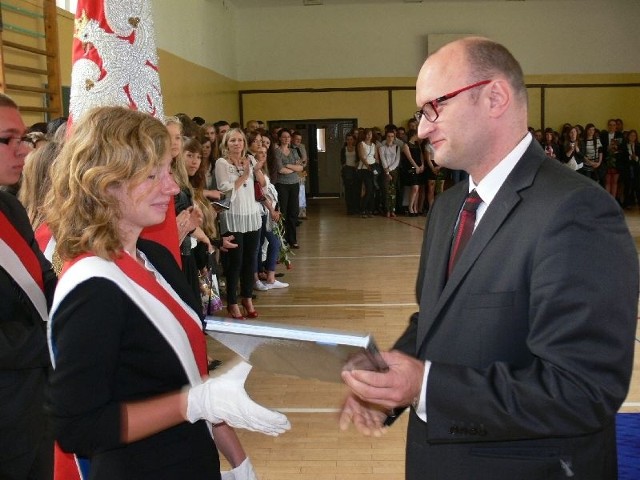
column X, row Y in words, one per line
column 109, row 146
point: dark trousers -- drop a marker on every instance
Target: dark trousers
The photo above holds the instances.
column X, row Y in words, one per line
column 240, row 265
column 289, row 208
column 631, row 183
column 389, row 186
column 273, row 248
column 351, row 189
column 26, row 438
column 366, row 181
column 601, row 174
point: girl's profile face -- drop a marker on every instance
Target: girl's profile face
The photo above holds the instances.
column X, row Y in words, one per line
column 175, row 135
column 146, row 203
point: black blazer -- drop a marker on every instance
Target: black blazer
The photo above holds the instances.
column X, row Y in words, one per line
column 109, row 353
column 532, row 354
column 24, row 357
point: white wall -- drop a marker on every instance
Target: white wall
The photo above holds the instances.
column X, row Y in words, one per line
column 390, row 40
column 200, row 31
column 548, row 37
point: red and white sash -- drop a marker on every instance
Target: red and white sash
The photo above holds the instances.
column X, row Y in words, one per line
column 177, row 323
column 45, row 240
column 21, row 263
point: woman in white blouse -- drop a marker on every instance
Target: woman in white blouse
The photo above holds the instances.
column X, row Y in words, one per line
column 235, row 174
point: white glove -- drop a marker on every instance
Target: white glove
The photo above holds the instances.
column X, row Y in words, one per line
column 244, row 471
column 224, row 399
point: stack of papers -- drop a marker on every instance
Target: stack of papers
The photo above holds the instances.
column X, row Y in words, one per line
column 295, row 350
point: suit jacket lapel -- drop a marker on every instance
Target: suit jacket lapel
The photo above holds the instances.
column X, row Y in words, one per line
column 434, row 300
column 433, row 274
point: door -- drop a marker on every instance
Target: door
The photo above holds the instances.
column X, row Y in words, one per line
column 324, row 140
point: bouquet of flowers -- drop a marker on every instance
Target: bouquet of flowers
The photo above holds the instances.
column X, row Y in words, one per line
column 285, row 249
column 209, row 292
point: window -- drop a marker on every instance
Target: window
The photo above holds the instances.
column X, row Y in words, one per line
column 320, row 140
column 69, row 5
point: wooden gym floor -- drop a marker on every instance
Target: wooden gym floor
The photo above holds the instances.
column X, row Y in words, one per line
column 351, row 274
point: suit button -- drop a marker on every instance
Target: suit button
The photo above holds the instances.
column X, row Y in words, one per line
column 473, row 431
column 453, row 430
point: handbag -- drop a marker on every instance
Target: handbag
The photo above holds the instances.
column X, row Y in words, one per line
column 258, row 191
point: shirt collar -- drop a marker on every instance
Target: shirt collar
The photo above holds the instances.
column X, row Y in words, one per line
column 491, row 183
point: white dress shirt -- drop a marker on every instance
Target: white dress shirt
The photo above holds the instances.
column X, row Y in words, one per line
column 487, row 189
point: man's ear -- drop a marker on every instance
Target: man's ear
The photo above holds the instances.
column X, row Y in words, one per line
column 500, row 97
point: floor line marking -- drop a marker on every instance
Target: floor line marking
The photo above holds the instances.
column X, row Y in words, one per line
column 355, row 257
column 341, row 305
column 308, row 410
column 338, row 410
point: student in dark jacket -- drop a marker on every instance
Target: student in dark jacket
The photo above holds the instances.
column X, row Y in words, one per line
column 27, row 282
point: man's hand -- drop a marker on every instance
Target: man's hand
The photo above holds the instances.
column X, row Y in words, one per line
column 398, row 387
column 368, row 419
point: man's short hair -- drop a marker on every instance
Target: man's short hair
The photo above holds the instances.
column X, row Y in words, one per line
column 486, row 58
column 220, row 123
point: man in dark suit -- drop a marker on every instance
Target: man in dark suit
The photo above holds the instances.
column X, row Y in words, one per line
column 27, row 282
column 519, row 357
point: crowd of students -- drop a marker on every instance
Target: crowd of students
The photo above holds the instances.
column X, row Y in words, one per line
column 608, row 156
column 390, row 171
column 238, row 231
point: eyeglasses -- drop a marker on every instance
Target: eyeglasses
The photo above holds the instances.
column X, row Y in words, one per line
column 430, row 109
column 17, row 141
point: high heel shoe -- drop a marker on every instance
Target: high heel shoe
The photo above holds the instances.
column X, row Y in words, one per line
column 249, row 313
column 236, row 316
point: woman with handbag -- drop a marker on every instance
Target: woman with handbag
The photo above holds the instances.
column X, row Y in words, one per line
column 236, row 172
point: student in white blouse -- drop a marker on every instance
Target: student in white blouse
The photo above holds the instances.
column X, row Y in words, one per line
column 235, row 174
